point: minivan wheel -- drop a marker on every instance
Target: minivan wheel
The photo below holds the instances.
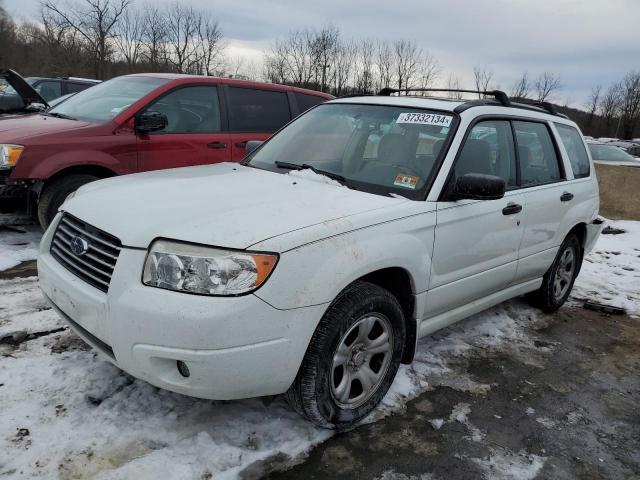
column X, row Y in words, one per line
column 559, row 279
column 56, row 192
column 352, row 359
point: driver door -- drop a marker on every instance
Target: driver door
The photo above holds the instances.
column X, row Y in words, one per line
column 476, row 241
column 194, row 134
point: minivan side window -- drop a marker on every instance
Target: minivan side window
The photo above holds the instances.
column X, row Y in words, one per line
column 305, row 102
column 538, row 158
column 489, row 149
column 193, row 109
column 572, row 141
column 254, row 110
column 49, row 90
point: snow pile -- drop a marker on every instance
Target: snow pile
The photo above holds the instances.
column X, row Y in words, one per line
column 611, row 271
column 18, row 244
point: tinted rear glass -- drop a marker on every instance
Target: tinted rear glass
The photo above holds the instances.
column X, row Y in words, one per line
column 573, row 144
column 254, row 110
column 305, row 102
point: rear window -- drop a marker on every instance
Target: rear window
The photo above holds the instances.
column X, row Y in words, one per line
column 255, row 110
column 538, row 159
column 305, row 102
column 573, row 144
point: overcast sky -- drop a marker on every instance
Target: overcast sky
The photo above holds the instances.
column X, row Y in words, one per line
column 586, row 42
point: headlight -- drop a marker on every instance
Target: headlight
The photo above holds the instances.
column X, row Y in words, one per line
column 204, row 270
column 9, row 155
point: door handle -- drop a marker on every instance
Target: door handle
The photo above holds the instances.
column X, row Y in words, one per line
column 242, row 144
column 566, row 196
column 512, row 208
column 217, row 145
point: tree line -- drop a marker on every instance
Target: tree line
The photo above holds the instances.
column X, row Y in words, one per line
column 105, row 38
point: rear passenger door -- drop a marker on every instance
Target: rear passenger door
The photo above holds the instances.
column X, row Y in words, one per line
column 546, row 194
column 194, row 134
column 254, row 114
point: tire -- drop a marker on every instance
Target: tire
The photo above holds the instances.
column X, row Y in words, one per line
column 56, row 192
column 318, row 392
column 556, row 285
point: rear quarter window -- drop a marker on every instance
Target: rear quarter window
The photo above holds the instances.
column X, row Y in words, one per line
column 255, row 110
column 573, row 144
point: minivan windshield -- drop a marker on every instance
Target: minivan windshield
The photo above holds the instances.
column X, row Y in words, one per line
column 375, row 148
column 106, row 100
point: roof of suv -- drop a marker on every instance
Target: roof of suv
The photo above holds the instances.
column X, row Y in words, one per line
column 234, row 81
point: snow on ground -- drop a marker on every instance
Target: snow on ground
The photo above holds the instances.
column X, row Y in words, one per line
column 18, row 243
column 66, row 413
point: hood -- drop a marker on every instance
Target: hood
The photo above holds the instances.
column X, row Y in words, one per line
column 15, row 128
column 26, row 92
column 224, row 205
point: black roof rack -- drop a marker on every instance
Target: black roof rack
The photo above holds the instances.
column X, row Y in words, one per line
column 500, row 98
column 499, row 95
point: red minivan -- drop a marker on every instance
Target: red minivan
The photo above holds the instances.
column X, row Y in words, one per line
column 137, row 123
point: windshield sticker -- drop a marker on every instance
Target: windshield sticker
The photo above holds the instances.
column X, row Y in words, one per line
column 425, row 119
column 407, row 181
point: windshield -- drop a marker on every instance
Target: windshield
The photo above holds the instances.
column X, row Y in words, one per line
column 609, row 153
column 106, row 100
column 374, row 148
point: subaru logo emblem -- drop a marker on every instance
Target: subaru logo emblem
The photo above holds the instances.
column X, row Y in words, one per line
column 79, row 246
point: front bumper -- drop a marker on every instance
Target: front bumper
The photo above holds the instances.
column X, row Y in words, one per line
column 234, row 347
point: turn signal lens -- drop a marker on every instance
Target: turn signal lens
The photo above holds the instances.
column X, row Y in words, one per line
column 9, row 155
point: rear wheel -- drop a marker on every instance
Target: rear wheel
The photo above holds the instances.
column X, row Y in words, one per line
column 559, row 279
column 56, row 192
column 352, row 359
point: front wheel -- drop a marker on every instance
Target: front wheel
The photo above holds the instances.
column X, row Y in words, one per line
column 352, row 359
column 559, row 279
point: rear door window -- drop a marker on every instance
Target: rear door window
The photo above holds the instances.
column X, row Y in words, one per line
column 305, row 102
column 255, row 110
column 573, row 144
column 538, row 159
column 73, row 87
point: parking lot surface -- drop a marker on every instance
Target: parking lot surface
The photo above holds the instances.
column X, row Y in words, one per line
column 508, row 393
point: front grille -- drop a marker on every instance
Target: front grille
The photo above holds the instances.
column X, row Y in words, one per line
column 93, row 264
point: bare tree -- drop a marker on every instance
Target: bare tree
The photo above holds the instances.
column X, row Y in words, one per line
column 610, row 106
column 629, row 89
column 344, row 61
column 593, row 103
column 482, row 76
column 209, row 49
column 386, row 64
column 364, row 76
column 129, row 36
column 154, row 37
column 407, row 62
column 453, row 83
column 521, row 87
column 183, row 25
column 546, row 84
column 323, row 46
column 94, row 21
column 428, row 71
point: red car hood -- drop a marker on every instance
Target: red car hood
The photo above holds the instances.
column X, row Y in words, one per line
column 14, row 129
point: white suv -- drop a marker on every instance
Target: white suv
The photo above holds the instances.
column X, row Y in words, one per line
column 314, row 266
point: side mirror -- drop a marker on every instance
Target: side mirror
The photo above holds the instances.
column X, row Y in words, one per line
column 478, row 186
column 252, row 145
column 151, row 121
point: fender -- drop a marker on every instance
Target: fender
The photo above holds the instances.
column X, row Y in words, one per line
column 314, row 274
column 58, row 162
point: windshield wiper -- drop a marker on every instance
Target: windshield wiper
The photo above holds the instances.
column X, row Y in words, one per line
column 58, row 115
column 295, row 166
